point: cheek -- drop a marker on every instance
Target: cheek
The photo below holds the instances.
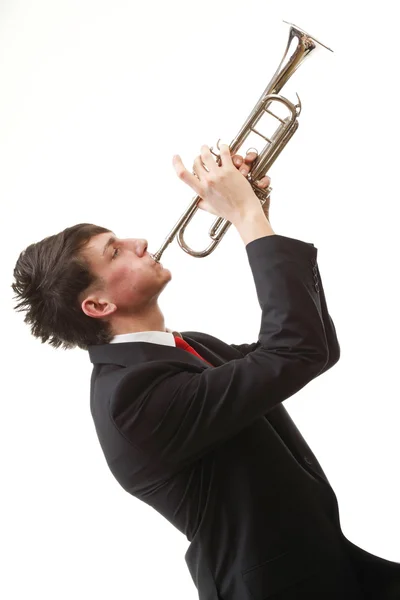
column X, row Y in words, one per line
column 128, row 278
column 121, row 277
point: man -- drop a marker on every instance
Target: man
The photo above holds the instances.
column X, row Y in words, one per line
column 196, row 427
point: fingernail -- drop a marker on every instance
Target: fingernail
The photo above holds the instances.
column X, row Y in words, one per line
column 243, row 171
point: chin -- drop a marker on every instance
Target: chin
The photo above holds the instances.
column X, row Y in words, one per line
column 164, row 270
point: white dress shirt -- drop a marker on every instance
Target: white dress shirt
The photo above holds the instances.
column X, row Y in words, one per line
column 155, row 337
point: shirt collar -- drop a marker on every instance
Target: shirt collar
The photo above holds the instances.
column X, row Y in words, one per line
column 165, row 338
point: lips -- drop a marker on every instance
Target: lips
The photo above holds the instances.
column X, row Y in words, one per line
column 154, row 262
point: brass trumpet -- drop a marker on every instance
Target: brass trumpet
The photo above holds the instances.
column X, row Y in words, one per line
column 273, row 147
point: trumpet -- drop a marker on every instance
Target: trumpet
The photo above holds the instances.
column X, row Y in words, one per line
column 272, row 148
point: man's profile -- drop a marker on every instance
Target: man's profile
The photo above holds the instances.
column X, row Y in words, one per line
column 195, row 427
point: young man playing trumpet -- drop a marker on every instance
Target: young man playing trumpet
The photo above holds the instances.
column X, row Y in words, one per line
column 196, row 427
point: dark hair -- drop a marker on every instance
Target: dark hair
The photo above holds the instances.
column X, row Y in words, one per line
column 50, row 276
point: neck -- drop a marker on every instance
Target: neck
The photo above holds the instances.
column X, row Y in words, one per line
column 152, row 321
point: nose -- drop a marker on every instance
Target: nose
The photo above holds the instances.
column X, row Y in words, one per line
column 141, row 247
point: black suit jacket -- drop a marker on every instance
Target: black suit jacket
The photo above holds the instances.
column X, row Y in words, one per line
column 213, row 449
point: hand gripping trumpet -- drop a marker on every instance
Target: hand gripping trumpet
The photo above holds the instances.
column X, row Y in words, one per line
column 272, row 148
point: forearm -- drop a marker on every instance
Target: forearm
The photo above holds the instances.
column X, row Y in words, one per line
column 253, row 226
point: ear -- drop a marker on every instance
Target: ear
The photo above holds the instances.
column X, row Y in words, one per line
column 93, row 307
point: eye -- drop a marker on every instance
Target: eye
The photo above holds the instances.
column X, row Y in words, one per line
column 114, row 253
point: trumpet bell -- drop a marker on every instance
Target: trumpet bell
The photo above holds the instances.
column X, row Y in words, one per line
column 273, row 145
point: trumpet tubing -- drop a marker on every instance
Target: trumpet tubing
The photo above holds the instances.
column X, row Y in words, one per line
column 273, row 145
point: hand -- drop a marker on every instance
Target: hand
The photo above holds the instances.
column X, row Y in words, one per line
column 223, row 191
column 244, row 165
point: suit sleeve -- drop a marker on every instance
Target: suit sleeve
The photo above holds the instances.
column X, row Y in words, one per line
column 185, row 413
column 244, row 349
column 329, row 327
column 330, row 330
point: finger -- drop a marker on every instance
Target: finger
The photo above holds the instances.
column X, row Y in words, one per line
column 225, row 154
column 198, row 167
column 263, row 182
column 207, row 158
column 184, row 174
column 237, row 160
column 248, row 163
column 250, row 158
column 245, row 169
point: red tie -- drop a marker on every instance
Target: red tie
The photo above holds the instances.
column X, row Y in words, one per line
column 180, row 343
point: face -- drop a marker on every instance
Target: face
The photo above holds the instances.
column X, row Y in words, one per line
column 133, row 280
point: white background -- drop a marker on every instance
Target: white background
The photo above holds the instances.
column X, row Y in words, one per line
column 96, row 97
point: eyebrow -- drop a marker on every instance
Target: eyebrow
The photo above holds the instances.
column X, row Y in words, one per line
column 110, row 241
